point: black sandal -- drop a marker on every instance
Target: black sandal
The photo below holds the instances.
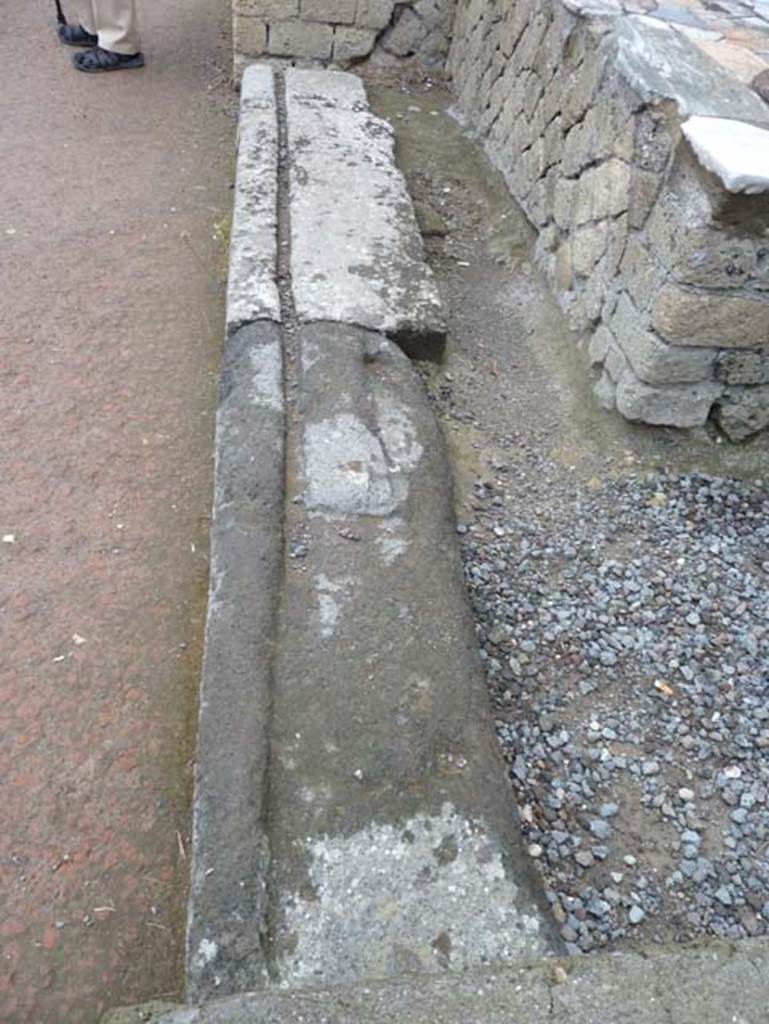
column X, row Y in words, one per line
column 97, row 60
column 76, row 35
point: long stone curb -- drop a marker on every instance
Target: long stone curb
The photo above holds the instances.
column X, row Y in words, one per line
column 714, row 983
column 230, row 852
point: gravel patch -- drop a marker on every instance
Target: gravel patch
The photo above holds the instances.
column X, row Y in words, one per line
column 625, row 634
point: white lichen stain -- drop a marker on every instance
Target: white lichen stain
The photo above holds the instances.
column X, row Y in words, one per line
column 207, row 951
column 346, row 468
column 392, row 548
column 267, row 377
column 389, row 891
column 329, row 608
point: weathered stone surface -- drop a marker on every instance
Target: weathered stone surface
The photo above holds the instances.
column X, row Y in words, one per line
column 249, row 35
column 252, row 293
column 301, row 39
column 654, row 361
column 761, row 85
column 564, row 270
column 565, row 196
column 365, row 785
column 687, row 406
column 743, row 367
column 661, row 63
column 267, row 9
column 616, row 365
column 338, row 12
column 694, row 249
column 582, row 87
column 700, row 318
column 600, row 342
column 742, row 412
column 579, row 147
column 347, row 190
column 374, row 13
column 605, row 391
column 602, row 191
column 588, row 245
column 353, row 43
column 706, row 983
column 644, row 188
column 642, row 274
column 652, row 141
column 228, row 900
column 405, row 35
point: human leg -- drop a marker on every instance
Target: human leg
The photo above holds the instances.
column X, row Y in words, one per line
column 116, row 25
column 86, row 15
column 81, row 31
column 119, row 45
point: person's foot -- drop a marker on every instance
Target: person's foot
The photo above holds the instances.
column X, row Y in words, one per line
column 97, row 60
column 76, row 35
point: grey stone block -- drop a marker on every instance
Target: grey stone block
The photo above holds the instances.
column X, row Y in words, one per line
column 615, row 363
column 249, row 35
column 353, row 43
column 643, row 191
column 642, row 274
column 583, row 86
column 565, row 197
column 602, row 191
column 588, row 245
column 707, row 983
column 695, row 249
column 377, row 756
column 347, row 190
column 406, row 34
column 605, row 391
column 579, row 148
column 374, row 13
column 252, row 293
column 335, row 12
column 742, row 412
column 688, row 317
column 654, row 361
column 267, row 9
column 743, row 367
column 600, row 343
column 684, row 406
column 300, row 39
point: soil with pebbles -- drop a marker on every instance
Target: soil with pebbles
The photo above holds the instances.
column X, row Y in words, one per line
column 626, row 641
column 620, row 581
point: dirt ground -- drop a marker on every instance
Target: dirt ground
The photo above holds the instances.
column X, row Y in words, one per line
column 113, row 196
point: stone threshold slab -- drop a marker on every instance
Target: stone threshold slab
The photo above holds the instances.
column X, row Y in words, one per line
column 356, row 250
column 714, row 983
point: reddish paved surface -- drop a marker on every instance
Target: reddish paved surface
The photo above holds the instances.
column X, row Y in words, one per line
column 110, row 313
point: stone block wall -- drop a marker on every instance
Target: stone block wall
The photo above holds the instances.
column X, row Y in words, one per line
column 341, row 32
column 666, row 271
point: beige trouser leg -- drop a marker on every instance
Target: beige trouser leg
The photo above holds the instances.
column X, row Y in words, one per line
column 114, row 21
